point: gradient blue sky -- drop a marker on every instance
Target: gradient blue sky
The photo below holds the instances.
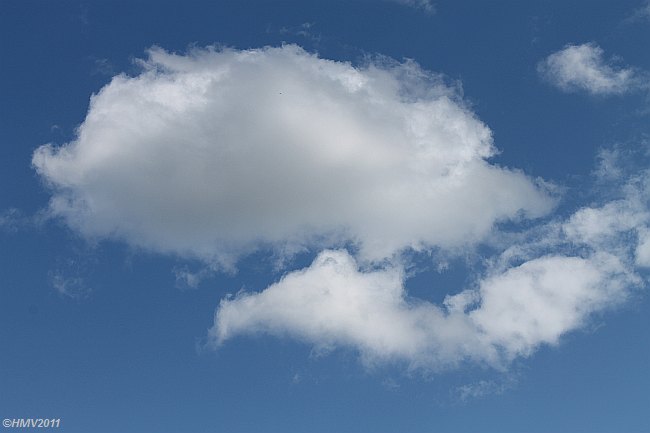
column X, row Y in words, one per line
column 104, row 335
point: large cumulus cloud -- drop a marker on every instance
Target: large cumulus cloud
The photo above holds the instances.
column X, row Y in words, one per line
column 215, row 153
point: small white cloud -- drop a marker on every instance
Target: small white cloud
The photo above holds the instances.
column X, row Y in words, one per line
column 603, row 225
column 69, row 286
column 483, row 388
column 187, row 279
column 305, row 30
column 608, row 167
column 390, row 384
column 11, row 219
column 644, row 11
column 425, row 5
column 541, row 300
column 583, row 68
column 102, row 66
column 640, row 14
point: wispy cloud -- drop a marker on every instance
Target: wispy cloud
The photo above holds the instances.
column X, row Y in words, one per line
column 69, row 286
column 483, row 388
column 640, row 14
column 13, row 220
column 584, row 68
column 187, row 279
column 102, row 66
column 305, row 30
column 424, row 5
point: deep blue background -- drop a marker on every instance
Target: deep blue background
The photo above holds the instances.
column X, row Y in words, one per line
column 127, row 356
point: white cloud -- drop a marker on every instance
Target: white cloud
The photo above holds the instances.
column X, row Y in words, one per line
column 608, row 167
column 215, row 153
column 425, row 5
column 640, row 14
column 187, row 279
column 583, row 68
column 11, row 219
column 483, row 388
column 69, row 286
column 644, row 12
column 335, row 304
column 542, row 299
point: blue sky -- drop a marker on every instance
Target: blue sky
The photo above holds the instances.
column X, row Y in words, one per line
column 325, row 216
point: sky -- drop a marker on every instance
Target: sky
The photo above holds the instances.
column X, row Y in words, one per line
column 283, row 216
